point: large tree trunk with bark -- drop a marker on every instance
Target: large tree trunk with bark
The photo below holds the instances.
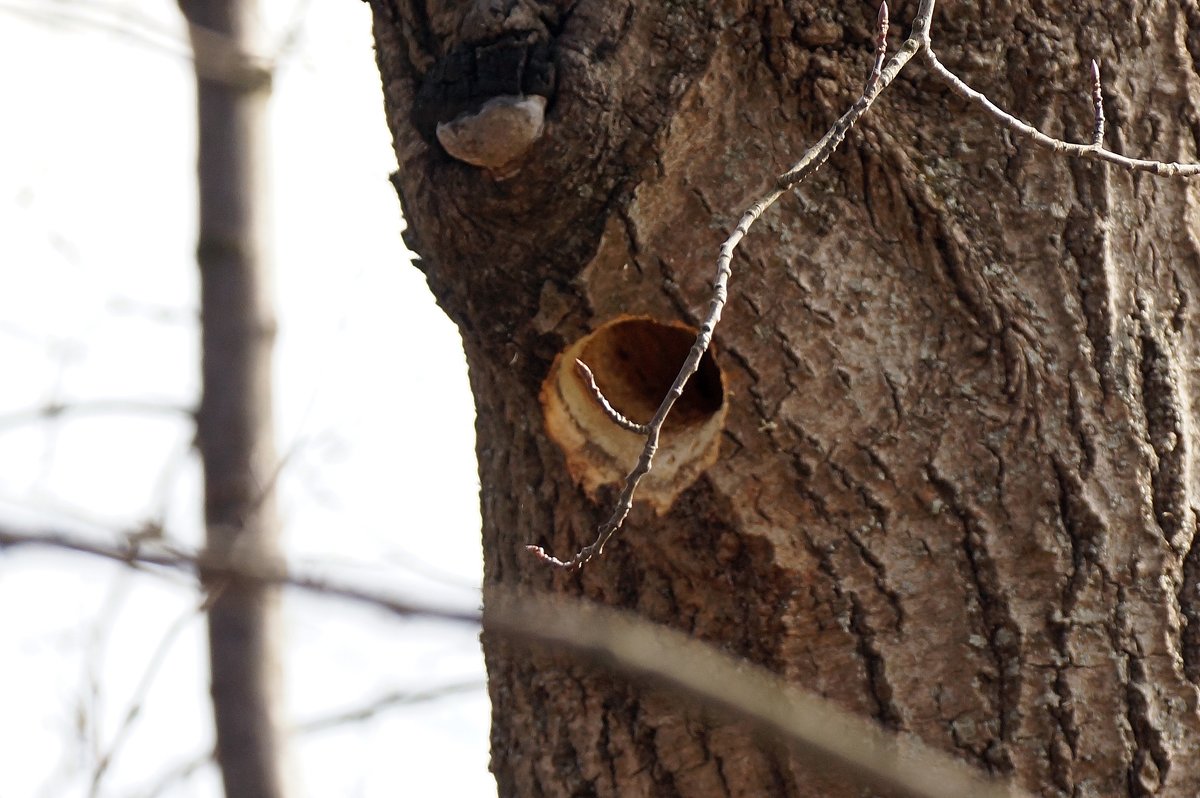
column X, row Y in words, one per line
column 955, row 487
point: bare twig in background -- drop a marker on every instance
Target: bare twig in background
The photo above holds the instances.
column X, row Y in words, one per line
column 138, row 699
column 385, row 703
column 142, row 29
column 212, row 570
column 669, row 659
column 812, row 160
column 89, row 407
column 90, row 713
column 178, row 773
column 367, row 711
column 139, row 28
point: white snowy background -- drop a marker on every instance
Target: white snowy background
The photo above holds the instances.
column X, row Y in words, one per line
column 98, row 303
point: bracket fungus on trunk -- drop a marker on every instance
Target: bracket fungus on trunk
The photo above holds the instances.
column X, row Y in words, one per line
column 497, row 135
column 485, row 101
column 634, row 360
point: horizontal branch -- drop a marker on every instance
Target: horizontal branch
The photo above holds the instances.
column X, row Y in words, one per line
column 368, row 710
column 704, row 675
column 388, row 701
column 94, row 407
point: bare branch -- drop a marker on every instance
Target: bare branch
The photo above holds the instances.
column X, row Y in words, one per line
column 384, row 703
column 367, row 711
column 812, row 160
column 1093, row 151
column 116, row 407
column 178, row 773
column 666, row 658
column 211, row 568
column 143, row 687
column 613, row 414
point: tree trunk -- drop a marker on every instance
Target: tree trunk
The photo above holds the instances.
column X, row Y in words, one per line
column 235, row 430
column 955, row 488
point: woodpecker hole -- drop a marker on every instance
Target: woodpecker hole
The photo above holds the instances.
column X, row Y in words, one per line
column 635, row 360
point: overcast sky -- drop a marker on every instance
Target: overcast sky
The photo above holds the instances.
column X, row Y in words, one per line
column 98, row 304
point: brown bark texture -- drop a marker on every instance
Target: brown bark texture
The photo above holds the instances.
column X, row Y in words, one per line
column 235, row 430
column 955, row 489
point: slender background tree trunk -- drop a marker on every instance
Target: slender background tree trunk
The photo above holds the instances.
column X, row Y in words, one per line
column 235, row 432
column 955, row 491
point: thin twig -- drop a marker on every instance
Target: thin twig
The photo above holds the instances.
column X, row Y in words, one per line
column 704, row 675
column 384, row 703
column 138, row 700
column 808, row 163
column 117, row 407
column 212, row 568
column 1097, row 105
column 180, row 772
column 614, row 415
column 1093, row 151
column 372, row 708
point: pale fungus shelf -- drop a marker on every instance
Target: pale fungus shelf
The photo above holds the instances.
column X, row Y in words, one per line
column 497, row 135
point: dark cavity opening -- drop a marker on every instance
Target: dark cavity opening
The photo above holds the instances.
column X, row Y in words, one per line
column 635, row 361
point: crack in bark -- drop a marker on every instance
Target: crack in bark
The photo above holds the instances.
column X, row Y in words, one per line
column 852, row 618
column 1006, row 333
column 880, row 579
column 647, row 745
column 879, row 463
column 1181, row 302
column 1061, row 761
column 1165, row 430
column 1085, row 530
column 1189, row 605
column 567, row 764
column 1000, row 627
column 1087, row 238
column 414, row 24
column 1150, row 759
column 783, row 786
column 878, row 685
column 1168, row 430
column 894, row 393
column 877, row 510
column 703, row 741
column 1084, row 430
column 674, row 292
column 604, row 747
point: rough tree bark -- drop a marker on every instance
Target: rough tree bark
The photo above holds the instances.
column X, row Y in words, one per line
column 235, row 430
column 955, row 490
